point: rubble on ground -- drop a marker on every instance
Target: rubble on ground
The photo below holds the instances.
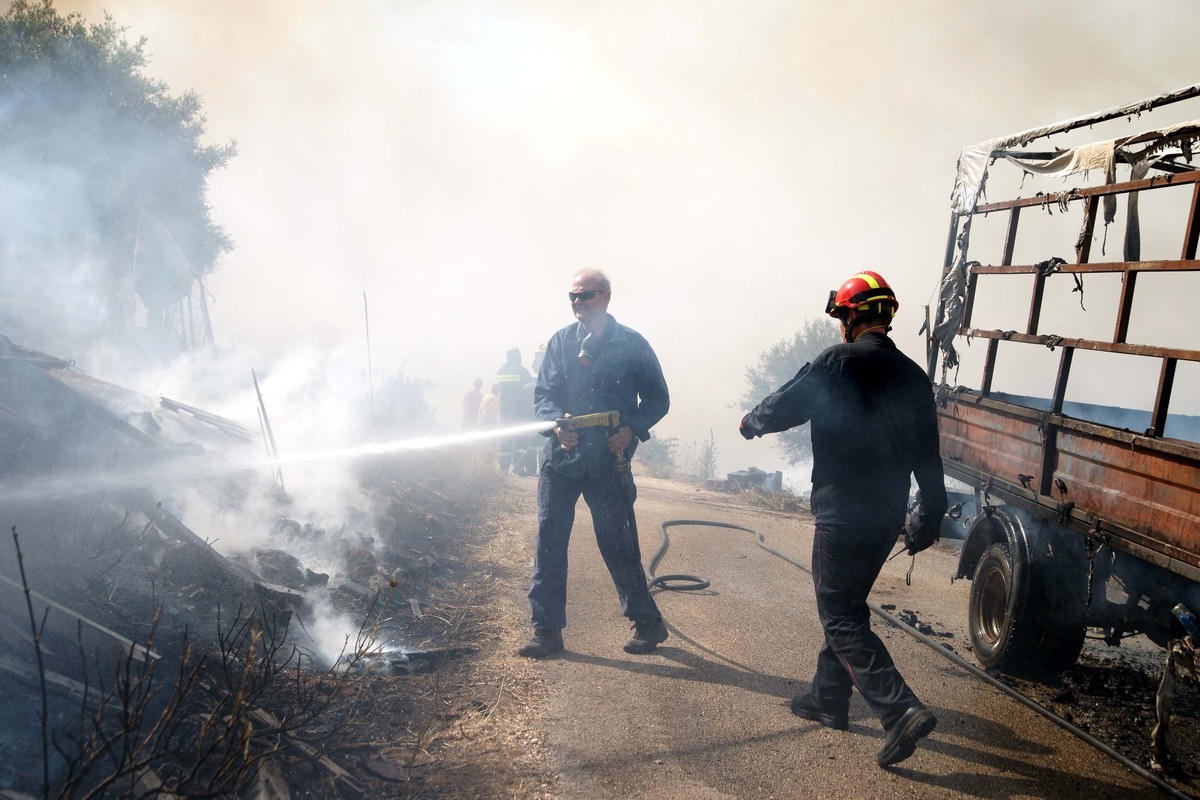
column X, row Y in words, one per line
column 91, row 490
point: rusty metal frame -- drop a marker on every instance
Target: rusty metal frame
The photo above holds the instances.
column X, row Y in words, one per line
column 1176, row 546
column 1070, row 195
column 1129, row 271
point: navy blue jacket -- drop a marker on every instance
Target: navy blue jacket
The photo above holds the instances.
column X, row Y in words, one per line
column 625, row 377
column 873, row 425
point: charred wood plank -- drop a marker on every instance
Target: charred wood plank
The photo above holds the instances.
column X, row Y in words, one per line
column 66, row 625
column 344, row 780
column 219, row 422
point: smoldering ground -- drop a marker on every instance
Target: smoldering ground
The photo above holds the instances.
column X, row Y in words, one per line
column 199, row 553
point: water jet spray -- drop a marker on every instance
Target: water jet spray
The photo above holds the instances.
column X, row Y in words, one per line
column 73, row 483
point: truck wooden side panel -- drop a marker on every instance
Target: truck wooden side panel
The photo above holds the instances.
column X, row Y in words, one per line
column 1137, row 493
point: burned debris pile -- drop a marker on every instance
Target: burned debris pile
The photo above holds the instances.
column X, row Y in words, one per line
column 174, row 622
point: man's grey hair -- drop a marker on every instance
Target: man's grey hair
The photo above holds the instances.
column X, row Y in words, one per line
column 602, row 282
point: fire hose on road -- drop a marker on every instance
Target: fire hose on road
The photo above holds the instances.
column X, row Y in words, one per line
column 683, row 582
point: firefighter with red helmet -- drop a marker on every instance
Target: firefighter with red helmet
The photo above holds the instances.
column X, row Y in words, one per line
column 873, row 425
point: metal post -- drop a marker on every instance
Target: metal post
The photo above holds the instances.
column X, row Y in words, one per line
column 272, row 450
column 370, row 378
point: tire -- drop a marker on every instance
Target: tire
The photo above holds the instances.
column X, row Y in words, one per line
column 1060, row 646
column 1022, row 622
column 1058, row 628
column 991, row 617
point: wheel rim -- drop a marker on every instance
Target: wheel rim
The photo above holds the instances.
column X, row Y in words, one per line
column 993, row 606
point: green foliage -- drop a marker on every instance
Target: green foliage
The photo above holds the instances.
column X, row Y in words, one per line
column 779, row 364
column 102, row 172
column 657, row 456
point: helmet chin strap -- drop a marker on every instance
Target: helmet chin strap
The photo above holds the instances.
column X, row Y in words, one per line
column 848, row 328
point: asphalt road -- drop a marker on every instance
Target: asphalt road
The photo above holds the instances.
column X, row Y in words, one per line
column 706, row 716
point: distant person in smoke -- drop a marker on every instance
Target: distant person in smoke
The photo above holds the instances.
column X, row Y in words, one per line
column 538, row 355
column 527, row 451
column 592, row 366
column 515, row 408
column 471, row 403
column 873, row 425
column 489, row 408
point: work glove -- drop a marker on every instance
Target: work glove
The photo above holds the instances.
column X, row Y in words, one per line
column 744, row 428
column 922, row 527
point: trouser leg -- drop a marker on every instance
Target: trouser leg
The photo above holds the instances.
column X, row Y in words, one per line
column 846, row 561
column 503, row 454
column 619, row 547
column 557, row 495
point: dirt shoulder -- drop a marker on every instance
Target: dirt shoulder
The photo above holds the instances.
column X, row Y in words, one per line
column 461, row 726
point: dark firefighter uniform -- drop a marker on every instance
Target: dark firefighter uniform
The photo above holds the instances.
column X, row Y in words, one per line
column 873, row 425
column 515, row 407
column 514, row 402
column 625, row 376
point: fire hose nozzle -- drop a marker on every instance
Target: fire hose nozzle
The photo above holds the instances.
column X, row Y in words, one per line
column 606, row 419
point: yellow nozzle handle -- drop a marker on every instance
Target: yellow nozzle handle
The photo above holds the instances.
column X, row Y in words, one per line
column 609, row 419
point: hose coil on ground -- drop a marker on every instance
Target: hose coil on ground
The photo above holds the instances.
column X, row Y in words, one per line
column 689, row 583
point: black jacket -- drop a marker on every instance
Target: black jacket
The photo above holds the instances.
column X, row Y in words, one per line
column 626, row 377
column 514, row 399
column 873, row 425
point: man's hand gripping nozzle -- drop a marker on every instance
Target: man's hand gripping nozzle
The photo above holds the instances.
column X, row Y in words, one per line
column 608, row 419
column 602, row 419
column 612, row 421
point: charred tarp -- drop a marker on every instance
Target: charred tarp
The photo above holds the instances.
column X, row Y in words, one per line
column 1166, row 150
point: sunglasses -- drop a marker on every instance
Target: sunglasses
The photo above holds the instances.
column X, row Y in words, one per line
column 584, row 296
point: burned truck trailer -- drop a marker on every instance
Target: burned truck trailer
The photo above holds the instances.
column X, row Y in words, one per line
column 1086, row 512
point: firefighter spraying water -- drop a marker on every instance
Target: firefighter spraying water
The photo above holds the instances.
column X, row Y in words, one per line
column 602, row 384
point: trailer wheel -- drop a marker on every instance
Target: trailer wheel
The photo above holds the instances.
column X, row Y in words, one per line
column 991, row 615
column 1022, row 624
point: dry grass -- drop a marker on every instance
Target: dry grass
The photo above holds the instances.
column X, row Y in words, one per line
column 464, row 730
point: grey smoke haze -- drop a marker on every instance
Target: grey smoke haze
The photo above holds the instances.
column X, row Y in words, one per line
column 727, row 164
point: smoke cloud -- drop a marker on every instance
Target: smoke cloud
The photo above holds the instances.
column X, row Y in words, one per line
column 457, row 163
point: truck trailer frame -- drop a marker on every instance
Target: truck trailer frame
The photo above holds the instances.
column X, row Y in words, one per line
column 1079, row 524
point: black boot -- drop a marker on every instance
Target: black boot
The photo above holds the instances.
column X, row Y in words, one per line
column 646, row 636
column 545, row 641
column 900, row 741
column 804, row 707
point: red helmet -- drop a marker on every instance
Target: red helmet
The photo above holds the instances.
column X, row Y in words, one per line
column 865, row 291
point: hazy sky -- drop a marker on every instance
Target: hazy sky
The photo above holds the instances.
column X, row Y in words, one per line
column 726, row 163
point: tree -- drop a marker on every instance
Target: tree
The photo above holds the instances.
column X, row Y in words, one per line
column 778, row 365
column 102, row 178
column 657, row 456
